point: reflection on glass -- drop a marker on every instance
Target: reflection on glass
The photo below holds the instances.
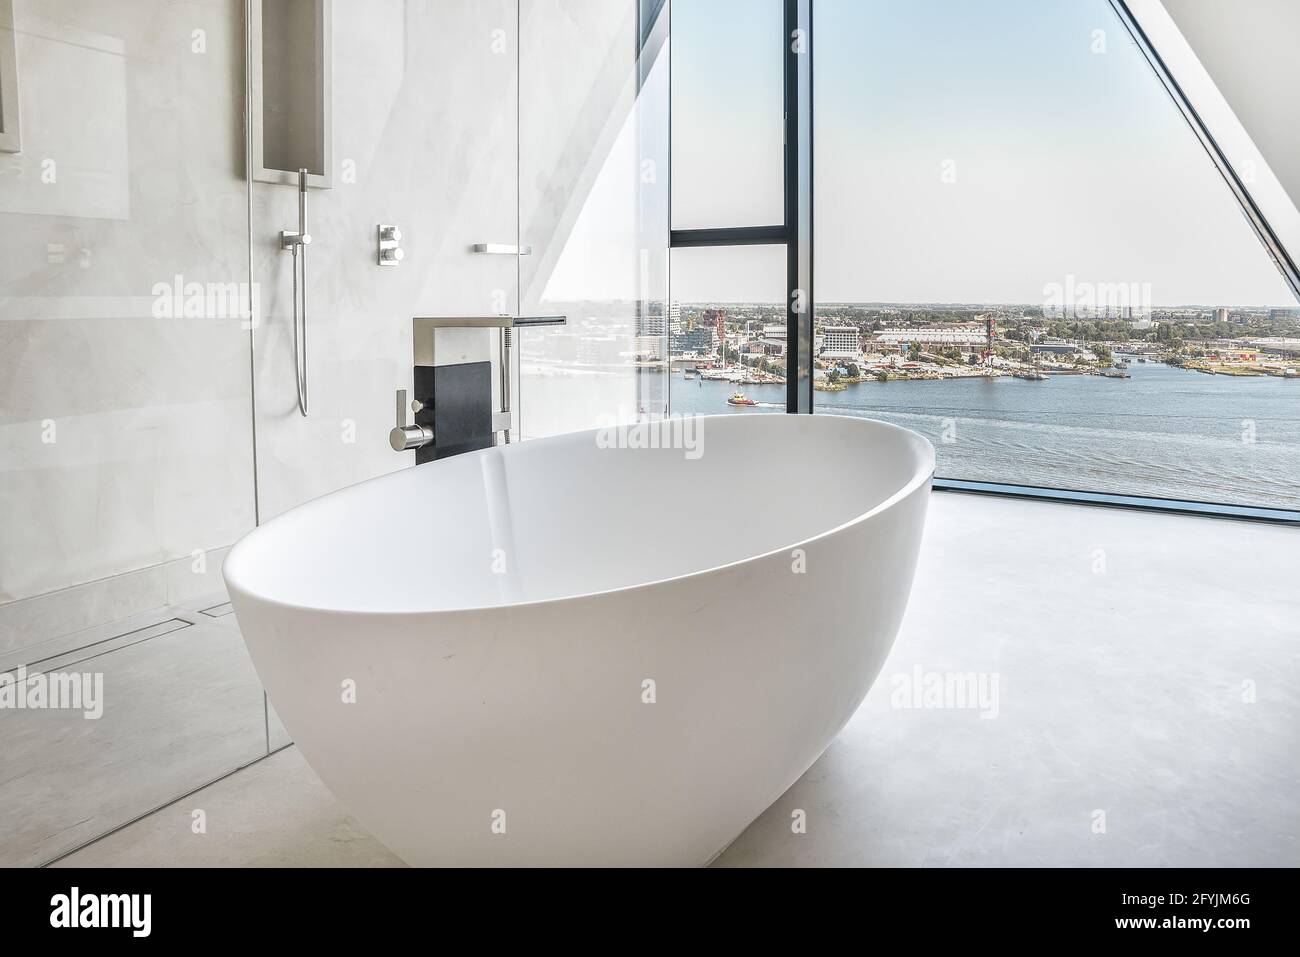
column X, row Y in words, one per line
column 593, row 208
column 73, row 160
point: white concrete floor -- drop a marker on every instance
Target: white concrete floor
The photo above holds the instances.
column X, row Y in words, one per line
column 181, row 704
column 1147, row 713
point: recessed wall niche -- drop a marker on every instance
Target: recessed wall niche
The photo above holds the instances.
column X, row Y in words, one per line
column 290, row 89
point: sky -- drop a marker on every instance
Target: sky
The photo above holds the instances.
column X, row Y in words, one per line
column 965, row 152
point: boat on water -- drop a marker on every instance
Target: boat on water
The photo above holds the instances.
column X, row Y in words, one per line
column 1115, row 374
column 1030, row 376
column 688, row 373
column 739, row 398
column 1289, row 373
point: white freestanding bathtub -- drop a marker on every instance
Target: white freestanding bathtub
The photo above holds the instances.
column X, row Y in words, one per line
column 573, row 651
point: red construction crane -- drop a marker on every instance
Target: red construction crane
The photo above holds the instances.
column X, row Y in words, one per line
column 990, row 334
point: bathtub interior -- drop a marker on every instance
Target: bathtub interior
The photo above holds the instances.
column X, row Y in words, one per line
column 576, row 514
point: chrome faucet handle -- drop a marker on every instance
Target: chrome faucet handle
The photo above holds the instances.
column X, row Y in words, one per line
column 403, row 437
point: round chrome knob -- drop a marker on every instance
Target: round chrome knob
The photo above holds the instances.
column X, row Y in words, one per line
column 406, row 437
column 392, row 255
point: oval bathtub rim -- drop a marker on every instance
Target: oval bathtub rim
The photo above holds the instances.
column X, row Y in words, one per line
column 924, row 476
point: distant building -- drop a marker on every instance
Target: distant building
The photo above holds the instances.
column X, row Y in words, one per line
column 648, row 348
column 698, row 341
column 650, row 318
column 773, row 340
column 966, row 338
column 717, row 318
column 1056, row 347
column 1220, row 315
column 651, row 325
column 841, row 342
column 1276, row 345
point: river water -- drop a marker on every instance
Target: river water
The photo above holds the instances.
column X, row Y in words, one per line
column 1165, row 432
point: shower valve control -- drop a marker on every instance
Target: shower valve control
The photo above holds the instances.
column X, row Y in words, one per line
column 404, row 437
column 389, row 250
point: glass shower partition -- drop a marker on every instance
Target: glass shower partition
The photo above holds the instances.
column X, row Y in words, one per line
column 404, row 116
column 126, row 415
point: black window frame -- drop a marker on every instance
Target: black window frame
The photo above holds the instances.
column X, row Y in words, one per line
column 796, row 232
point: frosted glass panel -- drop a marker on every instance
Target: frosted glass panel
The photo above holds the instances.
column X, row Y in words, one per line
column 727, row 113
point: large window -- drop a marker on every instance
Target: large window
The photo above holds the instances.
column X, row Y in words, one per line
column 728, row 329
column 740, row 269
column 1025, row 253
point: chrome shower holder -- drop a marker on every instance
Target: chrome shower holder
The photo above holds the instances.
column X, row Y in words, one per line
column 296, row 242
